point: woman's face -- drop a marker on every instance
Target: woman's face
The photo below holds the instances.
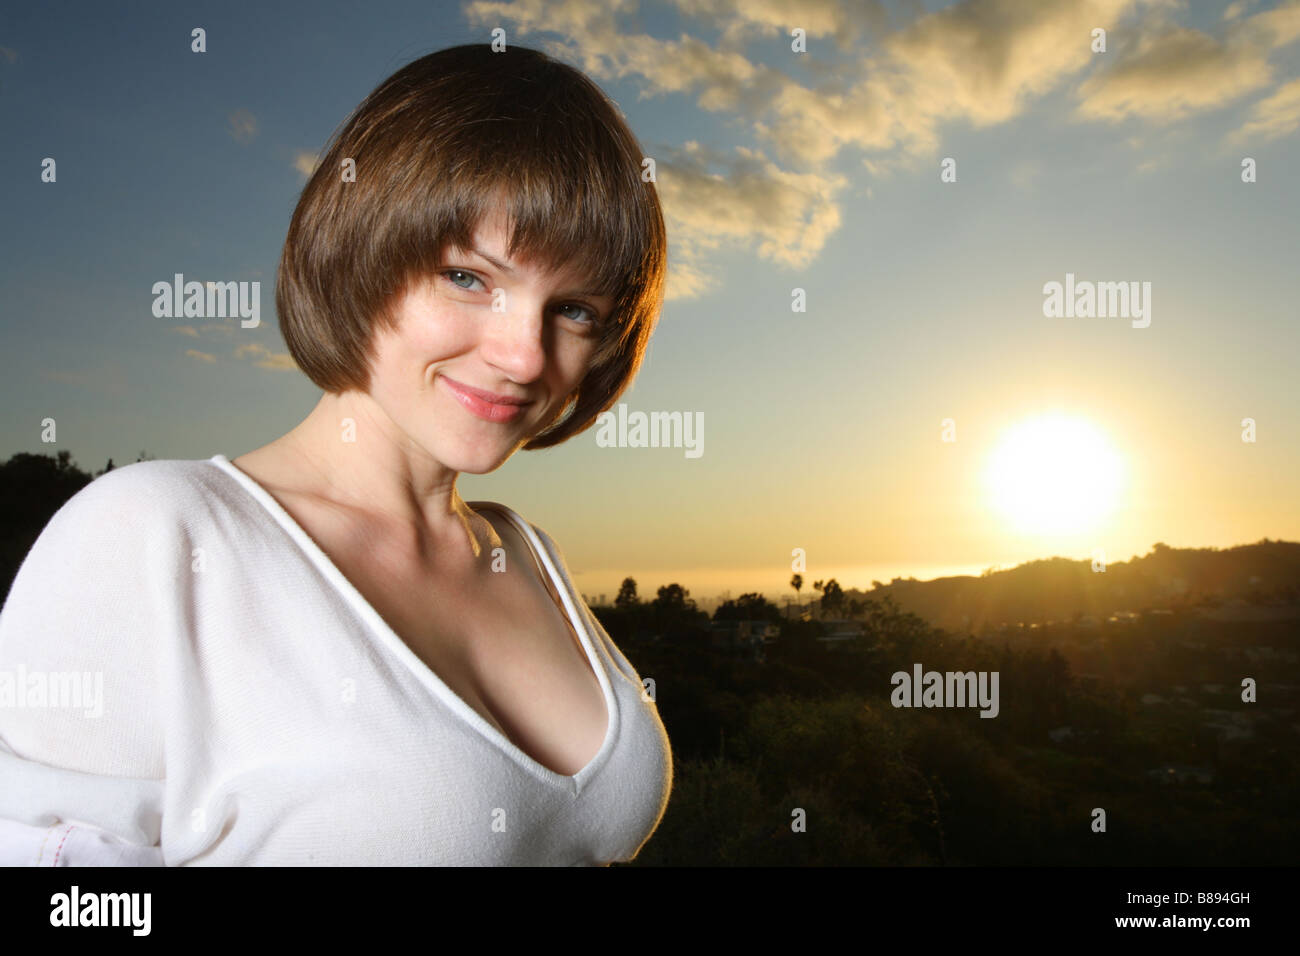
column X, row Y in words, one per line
column 484, row 326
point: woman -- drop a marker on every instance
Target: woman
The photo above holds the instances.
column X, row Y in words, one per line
column 318, row 653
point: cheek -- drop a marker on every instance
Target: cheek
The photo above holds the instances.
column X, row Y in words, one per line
column 449, row 325
column 581, row 367
column 575, row 357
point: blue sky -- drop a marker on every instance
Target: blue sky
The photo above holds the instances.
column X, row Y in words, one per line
column 777, row 170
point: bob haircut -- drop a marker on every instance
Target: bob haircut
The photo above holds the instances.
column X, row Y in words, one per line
column 438, row 146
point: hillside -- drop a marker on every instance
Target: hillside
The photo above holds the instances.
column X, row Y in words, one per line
column 1060, row 588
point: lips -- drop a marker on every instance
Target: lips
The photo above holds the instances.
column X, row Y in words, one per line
column 486, row 405
column 492, row 397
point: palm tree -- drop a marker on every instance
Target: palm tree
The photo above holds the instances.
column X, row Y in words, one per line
column 796, row 582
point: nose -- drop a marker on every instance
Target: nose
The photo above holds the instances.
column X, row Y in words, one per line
column 516, row 339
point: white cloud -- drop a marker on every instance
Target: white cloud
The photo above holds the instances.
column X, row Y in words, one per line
column 1277, row 115
column 1169, row 73
column 306, row 162
column 242, row 126
column 264, row 358
column 787, row 215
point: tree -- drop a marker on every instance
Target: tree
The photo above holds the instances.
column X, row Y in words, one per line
column 748, row 607
column 796, row 582
column 626, row 594
column 673, row 614
column 673, row 597
column 832, row 595
column 32, row 489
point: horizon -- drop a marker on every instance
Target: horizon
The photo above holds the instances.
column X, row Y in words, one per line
column 709, row 600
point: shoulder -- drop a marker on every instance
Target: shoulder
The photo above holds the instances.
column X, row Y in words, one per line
column 538, row 541
column 103, row 591
column 121, row 526
column 535, row 536
column 139, row 492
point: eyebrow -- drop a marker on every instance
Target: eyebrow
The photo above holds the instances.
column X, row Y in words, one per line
column 509, row 271
column 500, row 265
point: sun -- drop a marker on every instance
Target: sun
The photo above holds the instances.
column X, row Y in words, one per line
column 1054, row 474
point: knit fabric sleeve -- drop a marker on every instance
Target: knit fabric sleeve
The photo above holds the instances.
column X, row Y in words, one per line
column 81, row 713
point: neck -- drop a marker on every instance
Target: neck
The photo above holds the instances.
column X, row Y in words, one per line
column 355, row 456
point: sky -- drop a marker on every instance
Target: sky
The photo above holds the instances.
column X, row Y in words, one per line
column 922, row 172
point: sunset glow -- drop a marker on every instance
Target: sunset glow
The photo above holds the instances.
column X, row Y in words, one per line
column 1054, row 474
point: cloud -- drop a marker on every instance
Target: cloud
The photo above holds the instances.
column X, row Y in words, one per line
column 213, row 328
column 1025, row 174
column 242, row 126
column 1271, row 118
column 1172, row 76
column 846, row 24
column 788, row 215
column 306, row 162
column 201, row 356
column 1169, row 73
column 107, row 378
column 265, row 358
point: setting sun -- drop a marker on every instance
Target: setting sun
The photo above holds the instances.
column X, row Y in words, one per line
column 1054, row 474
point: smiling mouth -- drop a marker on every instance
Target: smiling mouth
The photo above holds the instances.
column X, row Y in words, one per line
column 506, row 410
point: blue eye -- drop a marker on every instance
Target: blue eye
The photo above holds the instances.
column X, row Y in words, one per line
column 460, row 272
column 591, row 315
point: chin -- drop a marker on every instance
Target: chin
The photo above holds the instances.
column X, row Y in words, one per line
column 479, row 469
column 469, row 463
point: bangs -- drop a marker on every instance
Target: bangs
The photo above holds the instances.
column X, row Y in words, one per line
column 559, row 216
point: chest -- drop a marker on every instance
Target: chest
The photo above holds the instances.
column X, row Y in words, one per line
column 498, row 639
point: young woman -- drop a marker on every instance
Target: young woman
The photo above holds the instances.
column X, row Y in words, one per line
column 317, row 652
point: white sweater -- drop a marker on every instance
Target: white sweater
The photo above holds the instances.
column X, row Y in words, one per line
column 256, row 710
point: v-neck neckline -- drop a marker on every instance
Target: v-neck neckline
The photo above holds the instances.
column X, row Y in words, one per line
column 423, row 671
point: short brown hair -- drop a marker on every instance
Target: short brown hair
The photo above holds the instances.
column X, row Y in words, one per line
column 436, row 145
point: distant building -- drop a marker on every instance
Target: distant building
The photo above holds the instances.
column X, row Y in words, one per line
column 838, row 631
column 1239, row 610
column 747, row 637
